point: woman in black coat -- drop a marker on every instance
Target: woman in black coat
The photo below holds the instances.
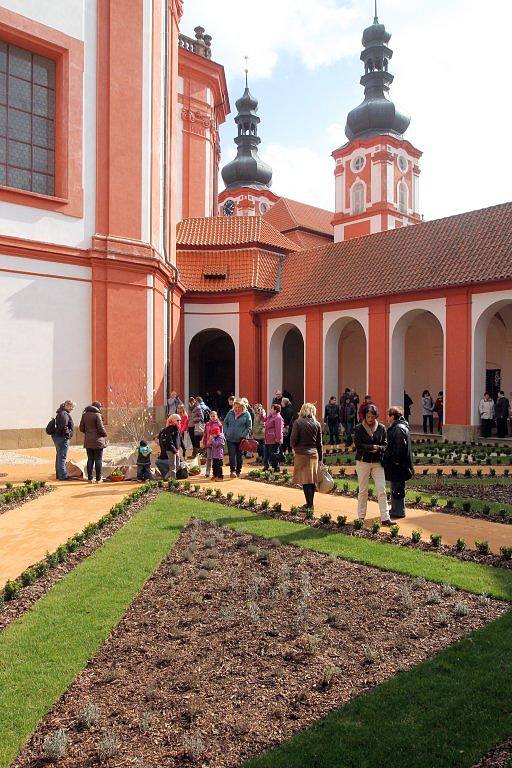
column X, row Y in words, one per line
column 397, row 459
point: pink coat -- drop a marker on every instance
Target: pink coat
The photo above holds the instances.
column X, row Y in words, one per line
column 274, row 425
column 208, row 432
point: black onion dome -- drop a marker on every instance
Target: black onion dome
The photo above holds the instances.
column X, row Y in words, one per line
column 376, row 114
column 246, row 103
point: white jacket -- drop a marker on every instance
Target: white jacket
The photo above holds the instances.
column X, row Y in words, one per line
column 486, row 409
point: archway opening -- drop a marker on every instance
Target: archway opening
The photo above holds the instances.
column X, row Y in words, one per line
column 345, row 356
column 417, row 361
column 212, row 367
column 293, row 366
column 492, row 354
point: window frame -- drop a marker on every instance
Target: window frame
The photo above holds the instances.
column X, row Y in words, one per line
column 68, row 55
column 354, row 187
column 402, row 185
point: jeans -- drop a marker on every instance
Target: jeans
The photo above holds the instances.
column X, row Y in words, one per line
column 217, row 468
column 428, row 419
column 349, row 428
column 309, row 493
column 272, row 456
column 173, row 463
column 502, row 427
column 334, row 432
column 94, row 459
column 365, row 470
column 61, row 446
column 143, row 472
column 397, row 498
column 236, row 459
column 195, row 440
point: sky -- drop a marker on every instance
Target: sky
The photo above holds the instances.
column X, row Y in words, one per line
column 451, row 64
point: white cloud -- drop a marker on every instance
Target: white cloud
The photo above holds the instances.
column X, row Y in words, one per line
column 301, row 173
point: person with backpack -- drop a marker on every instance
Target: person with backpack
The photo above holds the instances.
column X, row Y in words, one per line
column 95, row 439
column 205, row 409
column 61, row 430
column 169, row 441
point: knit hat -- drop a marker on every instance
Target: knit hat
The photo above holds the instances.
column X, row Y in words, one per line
column 215, row 429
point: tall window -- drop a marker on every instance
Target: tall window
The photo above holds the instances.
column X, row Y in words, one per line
column 358, row 205
column 402, row 196
column 27, row 120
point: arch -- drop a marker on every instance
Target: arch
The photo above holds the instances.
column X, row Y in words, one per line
column 492, row 345
column 417, row 352
column 211, row 355
column 286, row 358
column 358, row 197
column 345, row 358
column 403, row 196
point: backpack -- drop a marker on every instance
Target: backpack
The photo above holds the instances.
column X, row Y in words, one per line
column 51, row 427
column 182, row 471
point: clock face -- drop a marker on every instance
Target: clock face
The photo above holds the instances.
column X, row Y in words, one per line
column 229, row 208
column 357, row 163
column 263, row 208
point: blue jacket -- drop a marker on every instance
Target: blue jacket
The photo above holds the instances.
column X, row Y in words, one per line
column 235, row 429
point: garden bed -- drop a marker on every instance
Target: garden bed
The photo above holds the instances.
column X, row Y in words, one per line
column 234, row 644
column 20, row 594
column 499, row 757
column 13, row 497
column 498, row 492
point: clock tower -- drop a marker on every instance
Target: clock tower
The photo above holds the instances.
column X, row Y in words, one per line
column 377, row 171
column 247, row 178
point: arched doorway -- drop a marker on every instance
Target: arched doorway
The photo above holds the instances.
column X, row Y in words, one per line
column 492, row 353
column 286, row 363
column 212, row 366
column 345, row 358
column 417, row 359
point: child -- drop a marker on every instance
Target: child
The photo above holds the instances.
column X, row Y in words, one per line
column 144, row 461
column 217, row 441
column 212, row 427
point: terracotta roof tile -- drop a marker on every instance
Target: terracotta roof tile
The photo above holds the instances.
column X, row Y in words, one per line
column 227, row 231
column 472, row 247
column 214, row 271
column 287, row 215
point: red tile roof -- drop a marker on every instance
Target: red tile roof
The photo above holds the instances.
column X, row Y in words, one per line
column 216, row 271
column 287, row 215
column 474, row 247
column 228, row 231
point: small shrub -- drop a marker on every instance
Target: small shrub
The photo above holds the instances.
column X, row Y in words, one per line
column 107, row 747
column 252, row 549
column 263, row 556
column 209, row 564
column 454, row 473
column 11, row 590
column 479, row 473
column 208, row 491
column 417, row 499
column 441, row 618
column 433, row 501
column 8, row 485
column 202, row 574
column 175, row 569
column 28, row 576
column 461, row 609
column 327, row 678
column 436, row 539
column 482, row 547
column 89, row 715
column 55, row 745
column 265, row 504
column 376, row 526
column 188, row 555
column 341, row 520
column 277, row 507
column 358, row 524
column 467, row 472
column 486, row 510
column 186, row 485
column 450, row 503
column 240, row 498
column 416, row 536
column 41, row 568
column 192, row 746
column 251, row 503
column 492, row 472
column 447, row 590
column 326, row 518
column 506, row 553
column 218, row 493
column 466, row 506
column 370, row 654
column 274, row 543
column 460, row 545
column 434, row 598
column 308, row 513
column 309, row 644
column 52, row 559
column 407, row 599
column 229, row 495
column 393, row 531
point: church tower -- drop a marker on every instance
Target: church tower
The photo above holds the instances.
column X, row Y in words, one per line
column 247, row 178
column 377, row 171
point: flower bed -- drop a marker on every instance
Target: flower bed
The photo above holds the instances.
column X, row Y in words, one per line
column 233, row 645
column 19, row 594
column 14, row 496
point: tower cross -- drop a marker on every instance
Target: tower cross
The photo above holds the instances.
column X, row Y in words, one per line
column 246, row 70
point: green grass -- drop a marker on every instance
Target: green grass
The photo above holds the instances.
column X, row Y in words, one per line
column 42, row 652
column 445, row 713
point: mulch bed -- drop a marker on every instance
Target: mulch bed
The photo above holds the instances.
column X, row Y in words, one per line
column 20, row 502
column 499, row 492
column 499, row 757
column 232, row 646
column 13, row 609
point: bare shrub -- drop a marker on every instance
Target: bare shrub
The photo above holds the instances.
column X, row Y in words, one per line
column 55, row 745
column 108, row 746
column 192, row 746
column 89, row 715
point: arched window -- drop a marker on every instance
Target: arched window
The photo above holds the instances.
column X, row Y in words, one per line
column 403, row 194
column 358, row 202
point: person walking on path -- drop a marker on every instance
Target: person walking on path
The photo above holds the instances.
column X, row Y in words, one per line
column 237, row 427
column 487, row 414
column 95, row 439
column 427, row 405
column 258, row 430
column 306, row 441
column 274, row 425
column 183, row 427
column 439, row 410
column 288, row 414
column 61, row 437
column 502, row 409
column 408, row 403
column 332, row 418
column 195, row 424
column 370, row 443
column 173, row 403
column 397, row 460
column 143, row 461
column 211, row 428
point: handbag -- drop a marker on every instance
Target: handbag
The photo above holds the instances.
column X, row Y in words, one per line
column 324, row 481
column 249, row 445
column 199, row 429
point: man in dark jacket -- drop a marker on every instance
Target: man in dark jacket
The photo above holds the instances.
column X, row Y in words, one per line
column 332, row 422
column 63, row 433
column 397, row 460
column 501, row 410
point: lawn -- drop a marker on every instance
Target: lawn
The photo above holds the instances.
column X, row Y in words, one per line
column 42, row 652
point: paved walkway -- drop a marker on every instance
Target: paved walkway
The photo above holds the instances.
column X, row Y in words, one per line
column 29, row 531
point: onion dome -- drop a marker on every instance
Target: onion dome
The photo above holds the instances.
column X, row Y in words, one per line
column 247, row 169
column 376, row 114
